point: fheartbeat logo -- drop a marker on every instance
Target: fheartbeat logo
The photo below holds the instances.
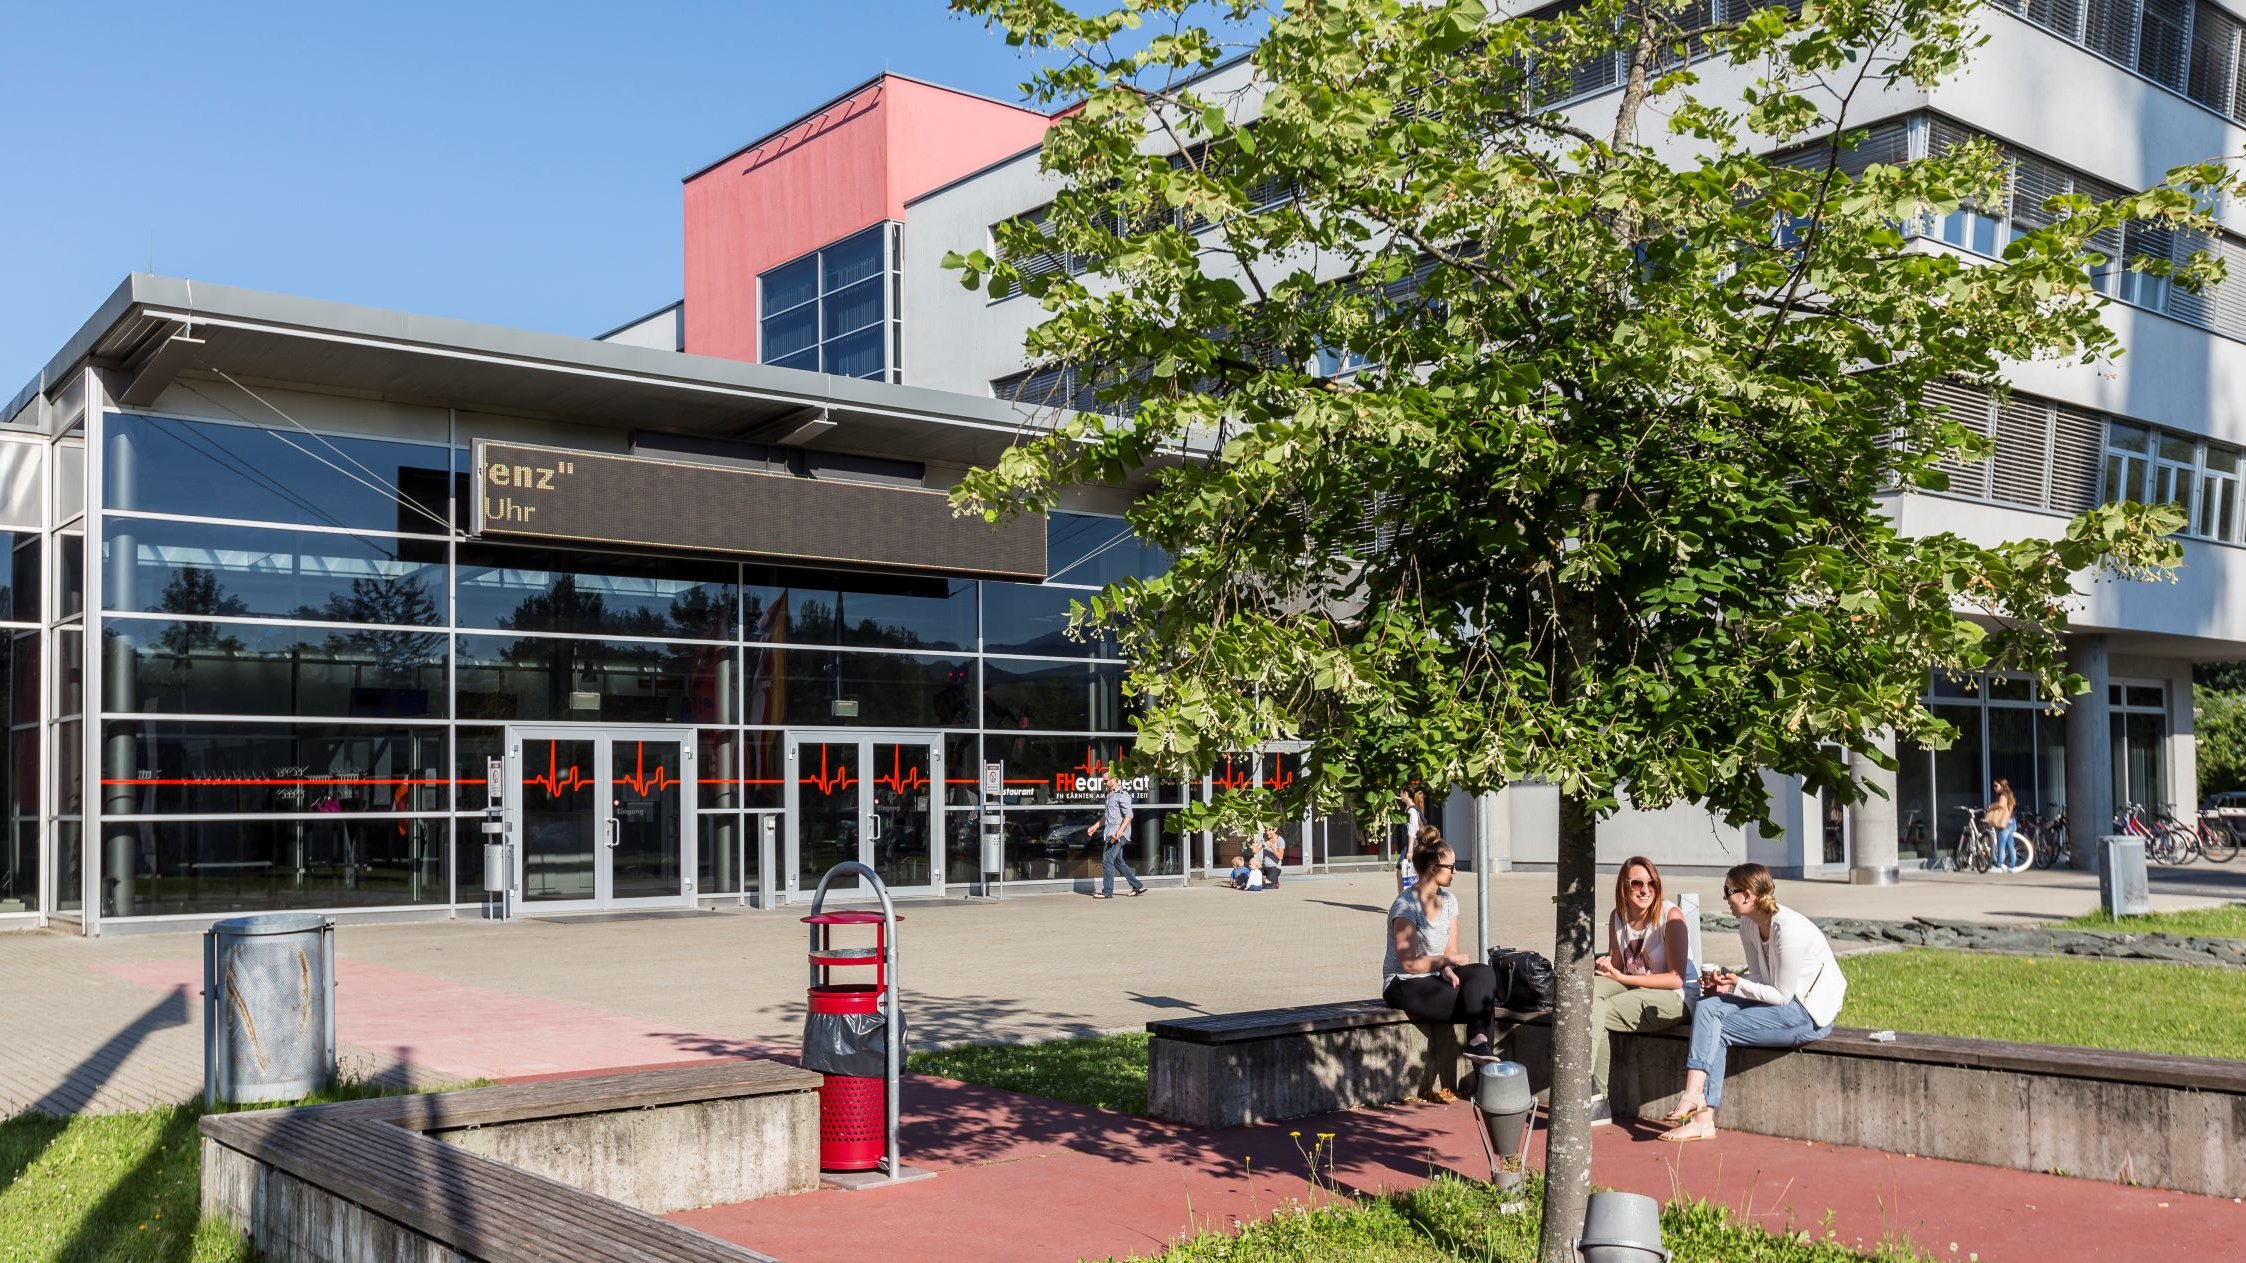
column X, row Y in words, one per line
column 1086, row 777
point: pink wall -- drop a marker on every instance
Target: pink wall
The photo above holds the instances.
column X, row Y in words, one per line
column 853, row 164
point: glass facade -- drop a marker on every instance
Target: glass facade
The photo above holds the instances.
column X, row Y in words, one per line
column 304, row 673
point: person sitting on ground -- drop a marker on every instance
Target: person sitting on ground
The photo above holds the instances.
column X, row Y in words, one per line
column 1789, row 995
column 1271, row 852
column 1240, row 871
column 1422, row 971
column 2003, row 816
column 1640, row 984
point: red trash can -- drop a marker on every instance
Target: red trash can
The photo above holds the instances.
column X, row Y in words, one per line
column 853, row 1111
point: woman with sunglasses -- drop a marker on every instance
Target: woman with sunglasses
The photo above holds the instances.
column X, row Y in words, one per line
column 1422, row 971
column 1789, row 995
column 1640, row 984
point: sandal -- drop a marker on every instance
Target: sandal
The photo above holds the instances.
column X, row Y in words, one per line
column 1702, row 1126
column 1684, row 1113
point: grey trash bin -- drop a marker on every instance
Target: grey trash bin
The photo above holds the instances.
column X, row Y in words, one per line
column 268, row 1008
column 2121, row 876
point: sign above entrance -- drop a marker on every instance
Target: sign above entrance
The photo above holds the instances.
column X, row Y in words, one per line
column 552, row 493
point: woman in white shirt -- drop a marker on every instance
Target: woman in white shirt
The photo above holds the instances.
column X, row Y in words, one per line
column 1789, row 995
column 1422, row 971
column 1640, row 984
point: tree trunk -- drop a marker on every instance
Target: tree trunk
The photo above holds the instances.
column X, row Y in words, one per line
column 1567, row 1149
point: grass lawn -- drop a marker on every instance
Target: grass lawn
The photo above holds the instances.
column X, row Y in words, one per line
column 2227, row 921
column 1108, row 1071
column 1452, row 1219
column 2195, row 1010
column 114, row 1188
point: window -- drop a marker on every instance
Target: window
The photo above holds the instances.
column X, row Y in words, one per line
column 2195, row 475
column 834, row 310
column 2186, row 46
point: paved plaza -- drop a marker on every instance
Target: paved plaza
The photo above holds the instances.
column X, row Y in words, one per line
column 115, row 1023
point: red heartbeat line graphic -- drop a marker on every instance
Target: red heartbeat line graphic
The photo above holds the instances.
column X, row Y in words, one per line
column 642, row 781
column 829, row 782
column 902, row 779
column 559, row 783
column 1231, row 780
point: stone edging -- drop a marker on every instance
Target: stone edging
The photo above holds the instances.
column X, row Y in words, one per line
column 1971, row 936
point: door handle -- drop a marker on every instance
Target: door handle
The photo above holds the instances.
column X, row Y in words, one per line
column 615, row 833
column 873, row 831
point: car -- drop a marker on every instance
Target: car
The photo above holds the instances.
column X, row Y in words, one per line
column 2230, row 804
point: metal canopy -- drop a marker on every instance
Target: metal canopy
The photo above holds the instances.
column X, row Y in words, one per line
column 155, row 329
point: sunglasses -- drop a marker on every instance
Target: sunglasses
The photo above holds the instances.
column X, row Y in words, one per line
column 1439, row 868
column 1641, row 885
column 1728, row 892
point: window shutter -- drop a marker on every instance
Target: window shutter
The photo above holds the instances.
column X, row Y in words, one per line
column 2111, row 30
column 2214, row 58
column 2035, row 182
column 2077, row 445
column 2197, row 308
column 1888, row 143
column 1970, row 408
column 2061, row 16
column 2021, row 472
column 2228, row 296
column 2161, row 54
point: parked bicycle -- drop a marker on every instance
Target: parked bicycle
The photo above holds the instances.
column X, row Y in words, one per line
column 2166, row 842
column 2214, row 837
column 2052, row 847
column 1976, row 846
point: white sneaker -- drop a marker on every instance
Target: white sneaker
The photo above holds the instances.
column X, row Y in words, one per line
column 1601, row 1113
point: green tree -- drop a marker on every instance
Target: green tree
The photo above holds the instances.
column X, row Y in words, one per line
column 1601, row 502
column 2219, row 724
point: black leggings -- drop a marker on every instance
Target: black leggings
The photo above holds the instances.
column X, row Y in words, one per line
column 1434, row 999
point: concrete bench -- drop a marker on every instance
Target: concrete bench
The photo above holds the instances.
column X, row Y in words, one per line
column 2148, row 1118
column 527, row 1173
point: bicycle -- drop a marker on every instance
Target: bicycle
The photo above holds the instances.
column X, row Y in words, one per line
column 2052, row 849
column 2218, row 841
column 1976, row 846
column 2165, row 842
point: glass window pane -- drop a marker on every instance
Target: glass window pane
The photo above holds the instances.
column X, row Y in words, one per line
column 786, row 334
column 21, row 484
column 70, row 579
column 1055, row 696
column 2128, row 438
column 853, row 259
column 2180, row 450
column 1025, row 618
column 806, row 360
column 255, row 669
column 168, row 466
column 2006, row 688
column 1958, row 773
column 167, row 868
column 609, row 681
column 790, row 285
column 814, row 687
column 615, row 594
column 813, row 607
column 850, row 310
column 2145, row 695
column 861, row 354
column 192, row 568
column 1080, row 548
column 334, row 769
column 2220, row 459
column 19, row 580
column 474, row 748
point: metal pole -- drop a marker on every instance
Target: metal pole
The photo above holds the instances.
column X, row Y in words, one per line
column 895, row 1015
column 1481, row 884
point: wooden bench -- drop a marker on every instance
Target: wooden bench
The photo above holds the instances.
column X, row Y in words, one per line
column 573, row 1169
column 2150, row 1118
column 1233, row 1069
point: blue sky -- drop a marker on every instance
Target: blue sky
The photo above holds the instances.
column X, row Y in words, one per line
column 512, row 163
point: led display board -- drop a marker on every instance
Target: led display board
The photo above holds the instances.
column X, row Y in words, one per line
column 554, row 494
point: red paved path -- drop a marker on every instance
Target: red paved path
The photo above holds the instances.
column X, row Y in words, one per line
column 1029, row 1179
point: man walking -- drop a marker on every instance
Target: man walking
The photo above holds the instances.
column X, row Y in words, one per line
column 1115, row 824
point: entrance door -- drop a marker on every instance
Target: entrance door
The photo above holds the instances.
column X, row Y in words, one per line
column 602, row 817
column 872, row 797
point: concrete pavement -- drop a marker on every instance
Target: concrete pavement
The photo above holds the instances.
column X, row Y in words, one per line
column 115, row 1023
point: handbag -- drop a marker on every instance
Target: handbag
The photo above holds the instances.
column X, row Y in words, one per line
column 1525, row 982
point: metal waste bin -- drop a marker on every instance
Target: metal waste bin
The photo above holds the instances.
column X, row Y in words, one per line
column 268, row 1008
column 2121, row 876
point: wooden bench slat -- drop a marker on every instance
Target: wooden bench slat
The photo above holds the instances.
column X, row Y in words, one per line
column 526, row 1102
column 1232, row 1028
column 479, row 1204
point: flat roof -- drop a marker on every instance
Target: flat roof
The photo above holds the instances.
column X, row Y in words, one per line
column 441, row 362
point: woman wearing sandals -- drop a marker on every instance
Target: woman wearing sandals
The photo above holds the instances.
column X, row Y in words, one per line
column 1640, row 984
column 1422, row 971
column 1789, row 995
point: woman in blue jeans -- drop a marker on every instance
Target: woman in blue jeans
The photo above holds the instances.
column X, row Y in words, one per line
column 1789, row 994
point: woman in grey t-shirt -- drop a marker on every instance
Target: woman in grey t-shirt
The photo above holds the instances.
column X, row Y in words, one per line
column 1422, row 971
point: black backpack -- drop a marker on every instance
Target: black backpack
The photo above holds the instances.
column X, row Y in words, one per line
column 1524, row 980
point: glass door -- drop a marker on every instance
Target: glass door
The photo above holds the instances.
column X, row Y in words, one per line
column 601, row 818
column 869, row 797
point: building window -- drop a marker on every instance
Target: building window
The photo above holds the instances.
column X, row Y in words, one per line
column 834, row 310
column 2140, row 743
column 2161, row 467
column 2187, row 46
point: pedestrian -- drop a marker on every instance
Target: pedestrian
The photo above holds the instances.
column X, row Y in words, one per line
column 1115, row 824
column 1414, row 804
column 1272, row 854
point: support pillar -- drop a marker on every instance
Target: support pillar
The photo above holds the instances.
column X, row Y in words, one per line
column 2089, row 751
column 119, row 855
column 1873, row 844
